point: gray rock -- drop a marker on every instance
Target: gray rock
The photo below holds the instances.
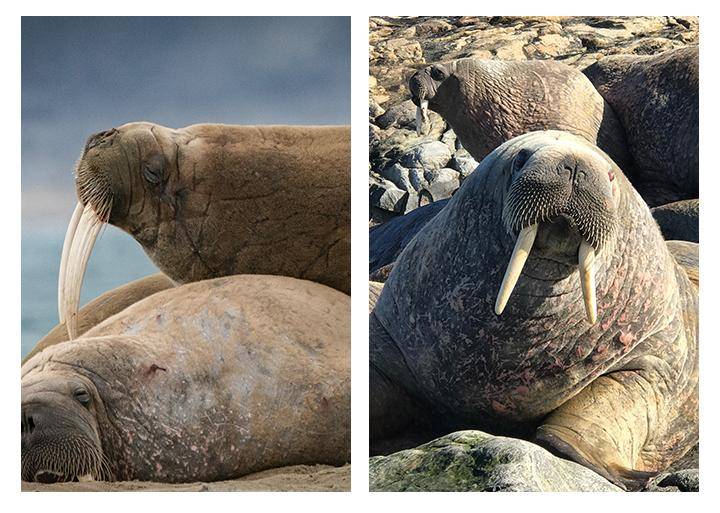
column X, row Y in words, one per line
column 449, row 138
column 417, row 179
column 374, row 109
column 687, row 480
column 477, row 461
column 399, row 176
column 463, row 163
column 429, row 155
column 442, row 183
column 384, row 195
column 401, row 115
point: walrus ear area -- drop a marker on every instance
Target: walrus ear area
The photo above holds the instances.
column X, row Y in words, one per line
column 153, row 169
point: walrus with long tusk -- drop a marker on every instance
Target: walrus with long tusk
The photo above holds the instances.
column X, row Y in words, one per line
column 542, row 302
column 214, row 200
column 202, row 382
column 489, row 102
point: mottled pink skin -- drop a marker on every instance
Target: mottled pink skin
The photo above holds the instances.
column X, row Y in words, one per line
column 215, row 379
column 435, row 336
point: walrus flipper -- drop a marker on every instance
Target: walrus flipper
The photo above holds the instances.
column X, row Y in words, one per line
column 397, row 419
column 593, row 428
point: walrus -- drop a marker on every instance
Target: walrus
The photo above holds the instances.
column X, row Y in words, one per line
column 541, row 302
column 104, row 306
column 679, row 220
column 203, row 382
column 656, row 99
column 489, row 102
column 213, row 200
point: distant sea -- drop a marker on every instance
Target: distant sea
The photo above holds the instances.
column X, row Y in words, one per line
column 116, row 259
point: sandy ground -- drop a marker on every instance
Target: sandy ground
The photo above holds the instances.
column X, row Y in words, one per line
column 299, row 478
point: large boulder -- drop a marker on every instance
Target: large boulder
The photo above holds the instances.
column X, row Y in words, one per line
column 477, row 461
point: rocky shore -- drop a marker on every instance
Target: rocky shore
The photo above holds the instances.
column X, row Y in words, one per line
column 407, row 170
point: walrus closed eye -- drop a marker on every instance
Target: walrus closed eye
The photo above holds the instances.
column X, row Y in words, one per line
column 203, row 203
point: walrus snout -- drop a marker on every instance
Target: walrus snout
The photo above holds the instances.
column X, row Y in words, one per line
column 58, row 442
column 552, row 183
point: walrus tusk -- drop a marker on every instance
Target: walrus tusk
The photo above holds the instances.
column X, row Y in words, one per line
column 523, row 245
column 421, row 117
column 79, row 241
column 74, row 220
column 586, row 264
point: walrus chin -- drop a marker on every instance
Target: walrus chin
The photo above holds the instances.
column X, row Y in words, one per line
column 76, row 459
column 523, row 245
column 91, row 214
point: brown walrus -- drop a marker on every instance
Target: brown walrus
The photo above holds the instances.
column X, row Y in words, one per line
column 202, row 382
column 542, row 302
column 489, row 102
column 214, row 200
column 656, row 99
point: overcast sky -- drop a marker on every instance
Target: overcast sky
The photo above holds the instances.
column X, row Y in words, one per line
column 83, row 75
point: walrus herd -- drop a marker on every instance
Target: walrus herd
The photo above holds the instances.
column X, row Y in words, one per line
column 234, row 359
column 542, row 300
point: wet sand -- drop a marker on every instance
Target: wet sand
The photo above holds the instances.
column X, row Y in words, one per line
column 298, row 478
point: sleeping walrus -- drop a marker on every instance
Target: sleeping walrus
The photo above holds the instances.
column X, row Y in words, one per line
column 203, row 382
column 542, row 302
column 214, row 200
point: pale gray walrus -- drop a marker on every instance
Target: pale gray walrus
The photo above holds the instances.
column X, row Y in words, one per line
column 489, row 102
column 202, row 382
column 589, row 342
column 656, row 98
column 214, row 200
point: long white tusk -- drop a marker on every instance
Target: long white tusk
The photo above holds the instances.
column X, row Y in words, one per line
column 69, row 235
column 523, row 245
column 78, row 245
column 421, row 117
column 586, row 264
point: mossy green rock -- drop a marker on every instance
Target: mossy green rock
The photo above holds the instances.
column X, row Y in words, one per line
column 477, row 461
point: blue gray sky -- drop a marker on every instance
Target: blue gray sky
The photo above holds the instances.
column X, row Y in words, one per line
column 82, row 75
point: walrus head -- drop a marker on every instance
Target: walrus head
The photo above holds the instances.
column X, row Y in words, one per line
column 113, row 165
column 564, row 197
column 423, row 87
column 59, row 430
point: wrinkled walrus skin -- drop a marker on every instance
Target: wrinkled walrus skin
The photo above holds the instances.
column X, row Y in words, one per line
column 104, row 306
column 656, row 99
column 215, row 200
column 202, row 382
column 619, row 395
column 489, row 102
